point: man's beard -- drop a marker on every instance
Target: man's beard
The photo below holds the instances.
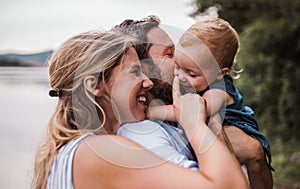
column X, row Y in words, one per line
column 162, row 90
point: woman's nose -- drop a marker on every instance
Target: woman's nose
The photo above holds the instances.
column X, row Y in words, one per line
column 147, row 83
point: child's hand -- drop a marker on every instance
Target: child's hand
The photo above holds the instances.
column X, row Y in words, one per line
column 189, row 109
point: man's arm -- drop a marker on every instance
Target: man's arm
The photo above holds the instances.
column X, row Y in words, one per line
column 247, row 150
column 250, row 152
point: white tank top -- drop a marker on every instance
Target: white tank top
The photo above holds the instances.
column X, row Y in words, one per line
column 61, row 172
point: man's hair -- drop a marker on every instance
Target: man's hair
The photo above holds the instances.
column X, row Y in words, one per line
column 139, row 30
column 218, row 35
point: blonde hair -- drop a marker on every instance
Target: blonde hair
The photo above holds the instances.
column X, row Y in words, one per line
column 218, row 35
column 77, row 112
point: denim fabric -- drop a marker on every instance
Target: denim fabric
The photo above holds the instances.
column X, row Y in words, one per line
column 239, row 115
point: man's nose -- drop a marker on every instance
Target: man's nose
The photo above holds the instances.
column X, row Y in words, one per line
column 172, row 60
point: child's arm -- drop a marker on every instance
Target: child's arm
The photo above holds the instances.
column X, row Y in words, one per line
column 161, row 112
column 215, row 99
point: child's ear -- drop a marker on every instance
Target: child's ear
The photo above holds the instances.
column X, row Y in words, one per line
column 92, row 85
column 225, row 71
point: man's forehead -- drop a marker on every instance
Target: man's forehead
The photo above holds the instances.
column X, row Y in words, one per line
column 160, row 37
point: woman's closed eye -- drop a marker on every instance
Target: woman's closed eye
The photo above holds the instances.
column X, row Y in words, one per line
column 136, row 69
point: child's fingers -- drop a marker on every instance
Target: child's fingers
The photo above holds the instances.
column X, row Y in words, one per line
column 176, row 89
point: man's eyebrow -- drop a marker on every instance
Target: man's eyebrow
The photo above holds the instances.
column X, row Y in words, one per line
column 169, row 47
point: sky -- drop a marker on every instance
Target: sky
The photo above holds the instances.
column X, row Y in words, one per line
column 28, row 26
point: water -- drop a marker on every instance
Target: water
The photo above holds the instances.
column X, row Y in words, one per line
column 25, row 109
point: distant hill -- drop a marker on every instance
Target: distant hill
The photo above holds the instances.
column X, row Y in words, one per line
column 36, row 59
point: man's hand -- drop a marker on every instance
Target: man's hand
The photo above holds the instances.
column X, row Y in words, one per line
column 250, row 152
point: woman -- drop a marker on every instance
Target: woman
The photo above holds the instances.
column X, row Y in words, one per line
column 98, row 80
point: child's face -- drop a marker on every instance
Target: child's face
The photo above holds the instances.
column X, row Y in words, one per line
column 195, row 67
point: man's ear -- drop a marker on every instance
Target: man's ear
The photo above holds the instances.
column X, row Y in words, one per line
column 92, row 85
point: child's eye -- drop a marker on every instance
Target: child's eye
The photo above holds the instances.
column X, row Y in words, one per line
column 177, row 67
column 193, row 74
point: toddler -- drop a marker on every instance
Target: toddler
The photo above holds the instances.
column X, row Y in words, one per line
column 204, row 59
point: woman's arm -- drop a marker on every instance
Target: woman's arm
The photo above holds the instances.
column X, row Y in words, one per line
column 190, row 109
column 115, row 162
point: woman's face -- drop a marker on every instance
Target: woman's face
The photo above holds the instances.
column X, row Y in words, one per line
column 127, row 86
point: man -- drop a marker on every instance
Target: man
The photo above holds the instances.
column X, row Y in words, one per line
column 156, row 51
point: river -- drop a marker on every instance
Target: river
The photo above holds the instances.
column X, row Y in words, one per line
column 25, row 109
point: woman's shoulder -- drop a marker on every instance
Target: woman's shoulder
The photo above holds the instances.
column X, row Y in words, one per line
column 105, row 148
column 95, row 156
column 99, row 159
column 99, row 143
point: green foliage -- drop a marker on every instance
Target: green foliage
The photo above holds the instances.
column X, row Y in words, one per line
column 272, row 70
column 270, row 53
column 241, row 13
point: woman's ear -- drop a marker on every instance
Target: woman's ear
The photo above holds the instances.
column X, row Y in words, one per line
column 92, row 85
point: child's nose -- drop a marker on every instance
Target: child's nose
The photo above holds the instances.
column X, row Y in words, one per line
column 181, row 76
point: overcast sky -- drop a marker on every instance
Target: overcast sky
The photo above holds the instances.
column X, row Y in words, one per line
column 37, row 25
